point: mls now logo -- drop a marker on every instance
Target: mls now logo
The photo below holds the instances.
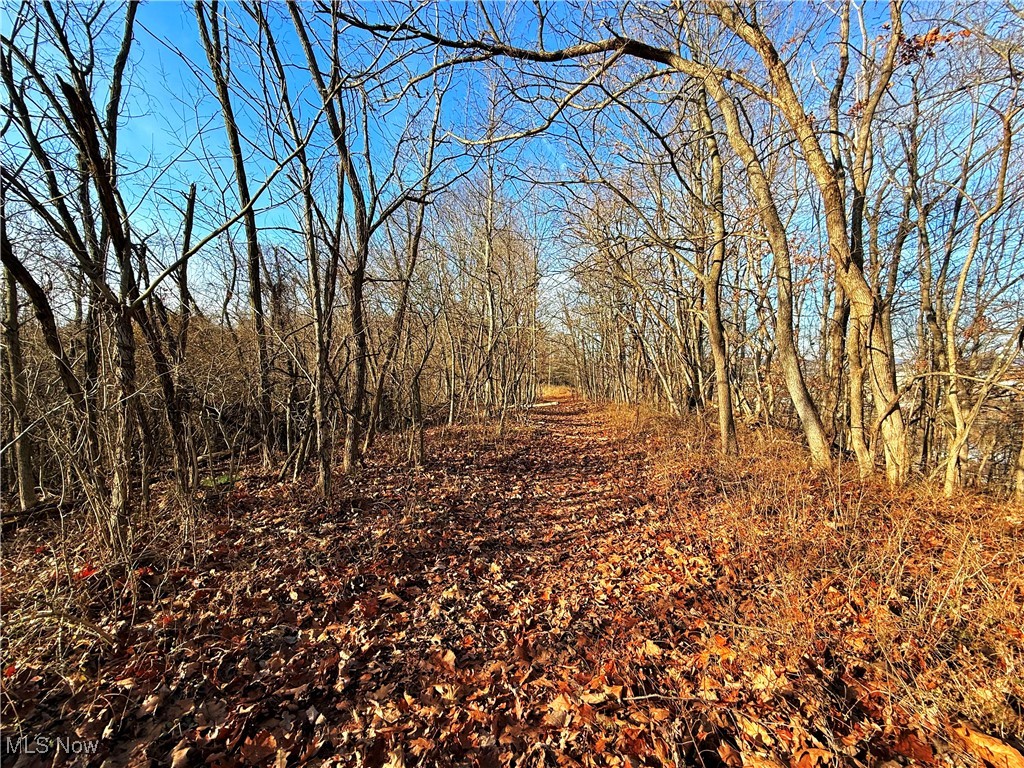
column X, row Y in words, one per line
column 44, row 745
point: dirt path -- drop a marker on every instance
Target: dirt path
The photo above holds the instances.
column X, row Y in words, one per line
column 557, row 488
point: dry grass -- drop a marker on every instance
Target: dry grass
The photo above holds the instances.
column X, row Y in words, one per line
column 64, row 593
column 555, row 392
column 918, row 597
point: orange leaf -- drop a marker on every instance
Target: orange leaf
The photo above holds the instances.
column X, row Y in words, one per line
column 993, row 751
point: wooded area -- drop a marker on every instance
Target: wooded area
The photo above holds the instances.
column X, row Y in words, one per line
column 317, row 287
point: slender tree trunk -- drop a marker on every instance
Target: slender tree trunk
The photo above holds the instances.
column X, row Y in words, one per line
column 101, row 171
column 403, row 303
column 24, row 459
column 835, row 359
column 215, row 46
column 416, row 439
column 865, row 311
column 322, row 282
column 713, row 281
column 357, row 398
column 803, row 403
column 124, row 460
column 389, row 354
column 858, row 435
column 1018, row 471
column 958, row 449
column 322, row 417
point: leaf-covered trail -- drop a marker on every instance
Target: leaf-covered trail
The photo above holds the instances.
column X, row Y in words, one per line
column 491, row 605
column 559, row 490
column 533, row 616
column 541, row 597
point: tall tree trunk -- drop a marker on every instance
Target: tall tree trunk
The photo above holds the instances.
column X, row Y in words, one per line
column 775, row 231
column 865, row 310
column 124, row 461
column 24, row 460
column 958, row 447
column 215, row 45
column 322, row 280
column 713, row 285
column 403, row 302
column 357, row 395
column 1018, row 471
column 102, row 172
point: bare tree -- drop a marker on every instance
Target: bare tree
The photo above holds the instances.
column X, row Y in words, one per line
column 216, row 42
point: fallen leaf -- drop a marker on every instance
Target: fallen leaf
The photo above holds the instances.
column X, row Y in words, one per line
column 994, row 752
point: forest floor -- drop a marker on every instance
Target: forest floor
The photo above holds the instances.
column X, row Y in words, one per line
column 592, row 587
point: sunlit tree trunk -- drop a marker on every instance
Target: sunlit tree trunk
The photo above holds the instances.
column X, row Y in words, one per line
column 865, row 311
column 1018, row 471
column 775, row 231
column 716, row 329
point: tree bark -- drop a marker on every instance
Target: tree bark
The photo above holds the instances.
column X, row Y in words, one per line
column 864, row 308
column 713, row 283
column 24, row 459
column 775, row 231
column 1018, row 471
